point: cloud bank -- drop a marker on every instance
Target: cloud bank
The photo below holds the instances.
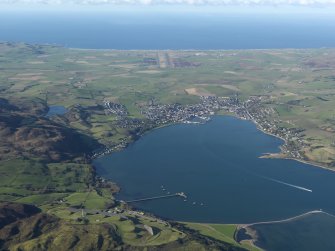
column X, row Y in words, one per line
column 176, row 2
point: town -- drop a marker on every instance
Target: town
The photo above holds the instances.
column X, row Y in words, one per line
column 253, row 108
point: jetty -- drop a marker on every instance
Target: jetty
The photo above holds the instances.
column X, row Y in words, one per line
column 181, row 194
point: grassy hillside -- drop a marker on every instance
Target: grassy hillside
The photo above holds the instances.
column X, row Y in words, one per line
column 222, row 232
column 25, row 227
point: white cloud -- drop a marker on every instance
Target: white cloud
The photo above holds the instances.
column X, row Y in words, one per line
column 185, row 2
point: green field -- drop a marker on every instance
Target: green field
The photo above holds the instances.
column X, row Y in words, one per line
column 222, row 232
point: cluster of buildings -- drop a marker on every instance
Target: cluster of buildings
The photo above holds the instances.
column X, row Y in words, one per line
column 126, row 122
column 115, row 108
column 176, row 113
column 123, row 121
column 265, row 119
column 111, row 148
column 251, row 109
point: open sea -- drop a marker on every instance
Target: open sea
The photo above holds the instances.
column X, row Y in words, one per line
column 162, row 29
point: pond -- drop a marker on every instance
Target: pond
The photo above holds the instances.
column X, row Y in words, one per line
column 56, row 110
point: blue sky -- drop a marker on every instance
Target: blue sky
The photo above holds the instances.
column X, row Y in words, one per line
column 172, row 2
column 293, row 7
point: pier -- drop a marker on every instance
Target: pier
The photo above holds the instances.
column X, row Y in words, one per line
column 181, row 194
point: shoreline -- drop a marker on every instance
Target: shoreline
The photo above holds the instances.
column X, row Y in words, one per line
column 168, row 49
column 240, row 226
column 273, row 156
column 266, row 155
column 260, row 222
column 253, row 240
column 284, row 220
column 253, row 233
column 276, row 155
column 179, row 49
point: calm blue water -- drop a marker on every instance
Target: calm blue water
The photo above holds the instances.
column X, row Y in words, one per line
column 166, row 30
column 56, row 110
column 217, row 164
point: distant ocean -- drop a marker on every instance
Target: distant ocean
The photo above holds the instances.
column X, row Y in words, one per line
column 167, row 30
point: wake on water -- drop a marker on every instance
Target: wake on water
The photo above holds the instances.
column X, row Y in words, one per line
column 261, row 176
column 287, row 184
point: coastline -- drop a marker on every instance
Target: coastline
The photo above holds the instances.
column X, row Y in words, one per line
column 239, row 226
column 274, row 156
column 260, row 222
column 252, row 233
column 253, row 239
column 278, row 155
